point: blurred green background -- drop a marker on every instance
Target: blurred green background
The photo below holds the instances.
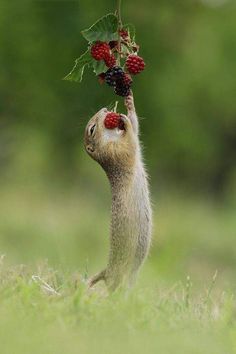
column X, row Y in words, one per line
column 54, row 200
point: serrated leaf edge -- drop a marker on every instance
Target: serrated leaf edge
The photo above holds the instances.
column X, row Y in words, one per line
column 68, row 78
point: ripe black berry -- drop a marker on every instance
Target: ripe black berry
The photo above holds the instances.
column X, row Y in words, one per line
column 113, row 75
column 122, row 89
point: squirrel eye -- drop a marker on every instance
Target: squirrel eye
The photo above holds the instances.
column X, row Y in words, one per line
column 92, row 130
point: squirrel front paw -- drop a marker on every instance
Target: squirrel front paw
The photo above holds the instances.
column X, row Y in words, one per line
column 129, row 103
column 126, row 122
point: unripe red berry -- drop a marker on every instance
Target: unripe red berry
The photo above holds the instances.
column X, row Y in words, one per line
column 127, row 79
column 99, row 50
column 110, row 60
column 112, row 121
column 135, row 64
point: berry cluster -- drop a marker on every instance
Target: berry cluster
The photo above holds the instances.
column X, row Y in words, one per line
column 121, row 81
column 113, row 120
column 118, row 76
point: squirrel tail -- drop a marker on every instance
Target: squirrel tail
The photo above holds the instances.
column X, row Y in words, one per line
column 96, row 278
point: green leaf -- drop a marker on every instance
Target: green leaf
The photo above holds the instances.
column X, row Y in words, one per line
column 99, row 67
column 105, row 29
column 131, row 29
column 76, row 73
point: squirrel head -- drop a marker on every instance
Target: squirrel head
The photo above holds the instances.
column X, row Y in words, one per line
column 112, row 148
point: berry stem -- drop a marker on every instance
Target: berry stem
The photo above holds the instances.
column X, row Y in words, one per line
column 118, row 11
column 115, row 107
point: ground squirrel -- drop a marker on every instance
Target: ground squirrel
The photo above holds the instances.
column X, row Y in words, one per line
column 119, row 153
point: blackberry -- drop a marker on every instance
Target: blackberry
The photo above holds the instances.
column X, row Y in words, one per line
column 122, row 89
column 109, row 78
column 113, row 75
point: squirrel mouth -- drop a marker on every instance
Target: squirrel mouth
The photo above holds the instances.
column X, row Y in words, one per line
column 113, row 134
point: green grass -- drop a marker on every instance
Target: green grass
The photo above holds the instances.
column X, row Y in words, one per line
column 178, row 306
column 66, row 318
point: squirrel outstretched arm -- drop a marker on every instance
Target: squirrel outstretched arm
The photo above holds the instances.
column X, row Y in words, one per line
column 131, row 112
column 119, row 154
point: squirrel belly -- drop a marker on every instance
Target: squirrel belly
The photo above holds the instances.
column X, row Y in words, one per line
column 131, row 220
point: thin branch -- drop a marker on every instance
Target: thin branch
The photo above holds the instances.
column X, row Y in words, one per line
column 118, row 12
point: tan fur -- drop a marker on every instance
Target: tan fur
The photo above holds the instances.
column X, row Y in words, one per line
column 119, row 154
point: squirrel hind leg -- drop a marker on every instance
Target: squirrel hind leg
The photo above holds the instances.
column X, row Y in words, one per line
column 96, row 278
column 115, row 281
